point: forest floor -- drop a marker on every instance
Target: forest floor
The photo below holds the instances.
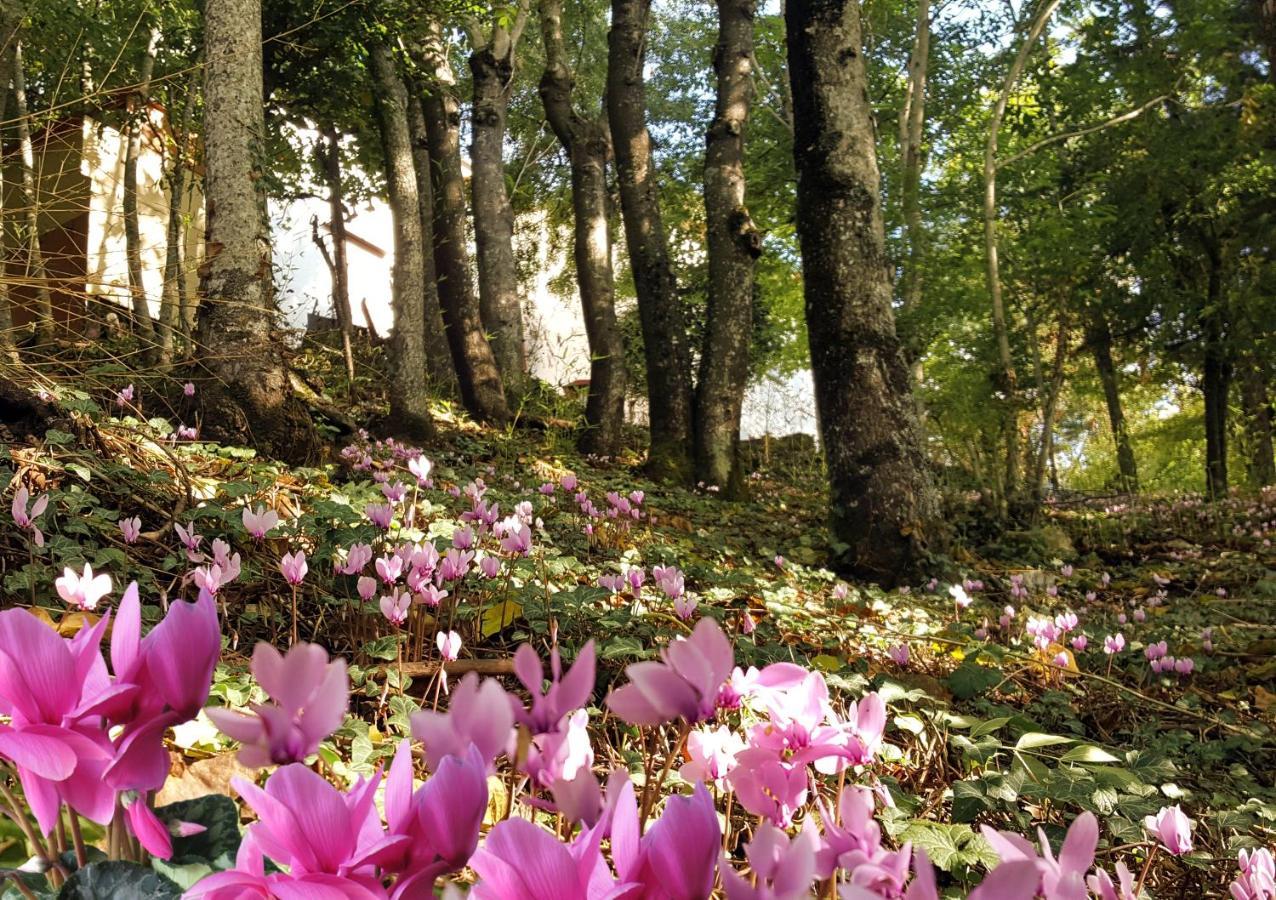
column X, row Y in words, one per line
column 1014, row 717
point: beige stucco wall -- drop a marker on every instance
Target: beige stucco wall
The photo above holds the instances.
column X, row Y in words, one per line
column 102, row 165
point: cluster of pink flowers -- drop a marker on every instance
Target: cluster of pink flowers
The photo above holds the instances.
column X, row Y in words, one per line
column 88, row 735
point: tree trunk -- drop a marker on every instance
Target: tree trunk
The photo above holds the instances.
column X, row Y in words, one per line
column 883, row 504
column 1257, row 404
column 492, row 68
column 438, row 357
column 328, row 155
column 1099, row 340
column 10, row 29
column 587, row 144
column 175, row 235
column 409, row 400
column 734, row 243
column 480, row 380
column 659, row 305
column 1004, row 378
column 912, row 122
column 37, row 274
column 139, row 114
column 1045, row 452
column 1216, row 382
column 247, row 394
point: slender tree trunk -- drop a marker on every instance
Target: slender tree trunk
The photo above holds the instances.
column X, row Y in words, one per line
column 1216, row 381
column 175, row 235
column 588, row 145
column 409, row 400
column 1099, row 340
column 247, row 394
column 1045, row 451
column 36, row 271
column 1257, row 404
column 10, row 31
column 911, row 132
column 139, row 114
column 479, row 378
column 438, row 356
column 328, row 155
column 659, row 305
column 492, row 68
column 734, row 243
column 1004, row 378
column 883, row 504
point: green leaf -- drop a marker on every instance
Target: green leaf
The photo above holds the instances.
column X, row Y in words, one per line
column 1088, row 753
column 970, row 680
column 949, row 847
column 1035, row 739
column 989, row 726
column 217, row 845
column 114, row 879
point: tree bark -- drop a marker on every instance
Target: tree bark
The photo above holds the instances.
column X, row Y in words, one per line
column 36, row 271
column 10, row 30
column 659, row 305
column 588, row 145
column 1099, row 341
column 438, row 357
column 409, row 400
column 733, row 244
column 175, row 234
column 247, row 395
column 479, row 378
column 883, row 504
column 1257, row 404
column 1216, row 380
column 328, row 155
column 139, row 113
column 912, row 122
column 492, row 69
column 1005, row 379
column 1045, row 452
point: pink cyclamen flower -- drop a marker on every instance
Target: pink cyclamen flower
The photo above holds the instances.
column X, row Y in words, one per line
column 567, row 691
column 840, row 591
column 420, row 467
column 684, row 606
column 568, row 483
column 293, row 567
column 782, row 869
column 1257, row 878
column 517, row 540
column 712, row 753
column 1080, row 642
column 367, row 587
column 960, row 597
column 678, row 855
column 779, row 561
column 490, row 566
column 1172, row 828
column 189, row 389
column 380, row 514
column 1024, row 874
column 131, row 529
column 900, row 654
column 684, row 684
column 1114, row 643
column 259, row 521
column 310, row 696
column 389, row 568
column 480, row 713
column 1185, row 665
column 25, row 518
column 395, row 606
column 83, row 591
column 747, row 623
column 124, row 396
column 449, row 645
column 523, row 861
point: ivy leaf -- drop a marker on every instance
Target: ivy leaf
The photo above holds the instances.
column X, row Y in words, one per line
column 971, row 679
column 950, row 847
column 218, row 843
column 112, row 879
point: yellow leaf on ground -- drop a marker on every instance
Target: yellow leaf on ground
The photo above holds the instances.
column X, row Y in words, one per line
column 499, row 616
